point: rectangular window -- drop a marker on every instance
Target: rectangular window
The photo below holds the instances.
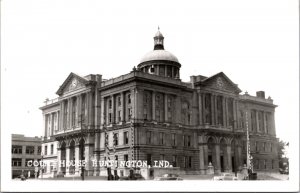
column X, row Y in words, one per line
column 52, row 149
column 109, row 117
column 265, row 164
column 109, row 103
column 184, row 140
column 26, row 162
column 148, row 137
column 264, row 146
column 116, row 139
column 129, row 113
column 129, row 99
column 190, row 162
column 125, row 158
column 189, row 141
column 149, row 160
column 46, row 150
column 29, row 149
column 39, row 150
column 256, row 146
column 119, row 115
column 16, row 162
column 161, row 138
column 173, row 139
column 116, row 159
column 174, row 160
column 119, row 101
column 126, row 137
column 16, row 149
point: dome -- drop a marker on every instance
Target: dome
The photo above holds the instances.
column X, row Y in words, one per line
column 159, row 55
column 158, row 34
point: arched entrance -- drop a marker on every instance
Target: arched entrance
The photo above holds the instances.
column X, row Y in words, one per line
column 210, row 148
column 63, row 158
column 72, row 157
column 223, row 156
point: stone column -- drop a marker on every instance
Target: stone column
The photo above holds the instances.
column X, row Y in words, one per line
column 273, row 130
column 61, row 116
column 77, row 158
column 123, row 107
column 45, row 124
column 200, row 108
column 153, row 105
column 58, row 120
column 113, row 117
column 265, row 122
column 212, row 110
column 201, row 159
column 52, row 124
column 58, row 166
column 89, row 149
column 69, row 114
column 205, row 151
column 239, row 161
column 215, row 109
column 78, row 114
column 224, row 111
column 228, row 156
column 203, row 109
column 166, row 107
column 67, row 159
column 217, row 165
column 257, row 122
column 234, row 114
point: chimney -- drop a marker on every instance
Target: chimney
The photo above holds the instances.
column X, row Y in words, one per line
column 260, row 94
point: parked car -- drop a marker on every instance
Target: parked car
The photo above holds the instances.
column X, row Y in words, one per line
column 136, row 176
column 168, row 177
column 284, row 171
column 21, row 177
column 225, row 176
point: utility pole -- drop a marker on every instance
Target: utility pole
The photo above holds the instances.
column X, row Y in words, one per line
column 82, row 147
column 234, row 150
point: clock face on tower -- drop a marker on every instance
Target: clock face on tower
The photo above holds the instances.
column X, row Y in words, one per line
column 219, row 82
column 73, row 83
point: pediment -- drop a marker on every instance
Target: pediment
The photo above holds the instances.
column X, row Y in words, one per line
column 73, row 82
column 220, row 82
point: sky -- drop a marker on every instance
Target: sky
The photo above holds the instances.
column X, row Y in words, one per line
column 255, row 43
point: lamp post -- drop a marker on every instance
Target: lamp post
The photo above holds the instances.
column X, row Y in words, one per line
column 234, row 150
column 42, row 165
column 81, row 146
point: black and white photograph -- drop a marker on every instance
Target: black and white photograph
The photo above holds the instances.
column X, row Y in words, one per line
column 120, row 95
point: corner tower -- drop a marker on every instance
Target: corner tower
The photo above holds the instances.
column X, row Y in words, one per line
column 159, row 61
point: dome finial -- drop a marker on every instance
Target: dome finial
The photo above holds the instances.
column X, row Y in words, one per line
column 158, row 40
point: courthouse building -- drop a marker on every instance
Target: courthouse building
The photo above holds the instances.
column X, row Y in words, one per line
column 150, row 114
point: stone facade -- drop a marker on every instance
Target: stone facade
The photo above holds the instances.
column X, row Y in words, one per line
column 150, row 114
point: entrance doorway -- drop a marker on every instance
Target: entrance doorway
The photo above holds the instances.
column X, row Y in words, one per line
column 232, row 163
column 222, row 163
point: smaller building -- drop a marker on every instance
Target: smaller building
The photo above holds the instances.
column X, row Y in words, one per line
column 49, row 157
column 25, row 150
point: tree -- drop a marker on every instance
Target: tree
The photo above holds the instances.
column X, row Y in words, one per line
column 282, row 157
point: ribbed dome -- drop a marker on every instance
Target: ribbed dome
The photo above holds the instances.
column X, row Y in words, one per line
column 159, row 55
